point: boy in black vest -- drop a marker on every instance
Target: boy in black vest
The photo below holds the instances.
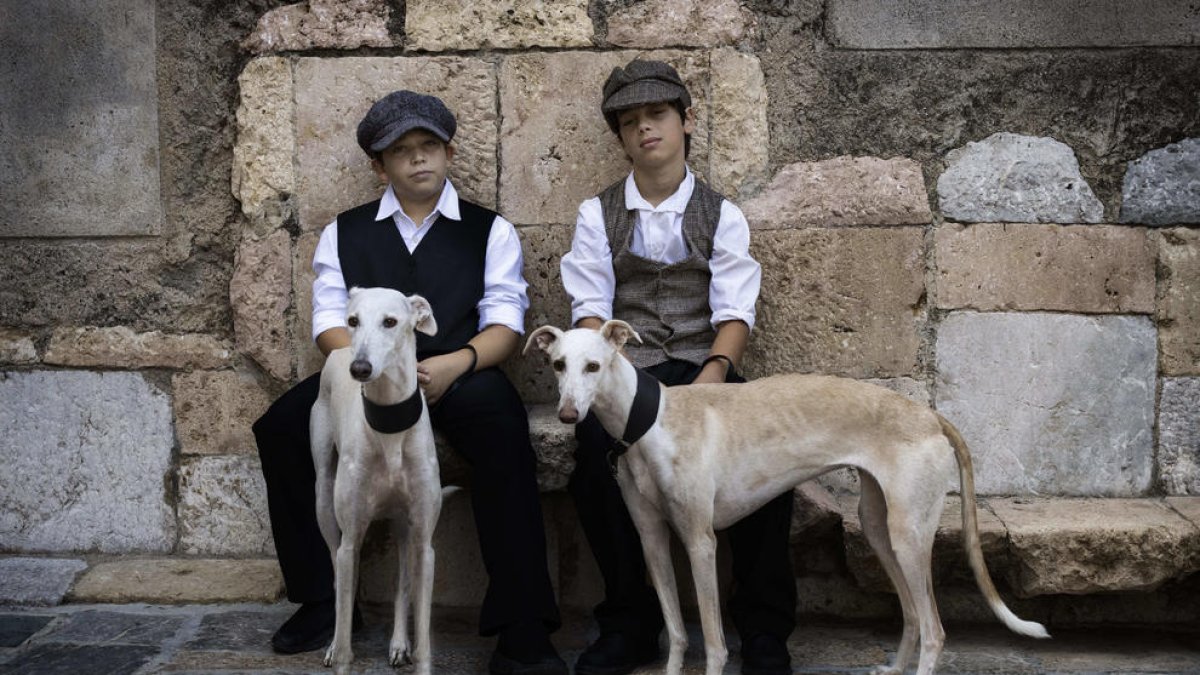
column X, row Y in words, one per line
column 665, row 253
column 466, row 260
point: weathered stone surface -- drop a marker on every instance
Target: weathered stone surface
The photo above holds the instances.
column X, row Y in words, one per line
column 1188, row 507
column 87, row 463
column 36, row 581
column 908, row 387
column 87, row 165
column 1016, row 179
column 259, row 295
column 214, row 411
column 740, row 137
column 223, row 507
column 556, row 149
column 308, row 358
column 460, row 25
column 680, row 23
column 1178, row 313
column 1162, row 187
column 1074, row 268
column 1051, row 404
column 1179, row 436
column 332, row 95
column 542, row 247
column 322, row 24
column 842, row 191
column 180, row 580
column 16, row 347
column 952, row 24
column 1095, row 545
column 821, row 309
column 15, row 629
column 49, row 658
column 116, row 628
column 120, row 347
column 264, row 178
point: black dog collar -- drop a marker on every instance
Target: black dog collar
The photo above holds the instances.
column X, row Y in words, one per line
column 642, row 415
column 394, row 418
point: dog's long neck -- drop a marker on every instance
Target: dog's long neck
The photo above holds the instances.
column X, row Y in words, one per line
column 615, row 397
column 396, row 383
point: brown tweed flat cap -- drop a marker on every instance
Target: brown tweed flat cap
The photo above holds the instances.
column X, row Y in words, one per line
column 641, row 82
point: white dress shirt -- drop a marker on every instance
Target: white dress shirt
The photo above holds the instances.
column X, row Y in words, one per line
column 504, row 298
column 587, row 270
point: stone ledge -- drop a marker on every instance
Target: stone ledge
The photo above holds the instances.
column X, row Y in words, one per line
column 180, row 580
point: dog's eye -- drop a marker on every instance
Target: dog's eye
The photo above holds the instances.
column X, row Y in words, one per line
column 352, row 322
column 592, row 367
column 559, row 365
column 389, row 322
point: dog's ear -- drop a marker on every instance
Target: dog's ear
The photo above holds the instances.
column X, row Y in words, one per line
column 617, row 333
column 354, row 290
column 543, row 338
column 423, row 321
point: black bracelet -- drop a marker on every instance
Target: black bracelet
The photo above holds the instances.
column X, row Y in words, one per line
column 719, row 357
column 474, row 358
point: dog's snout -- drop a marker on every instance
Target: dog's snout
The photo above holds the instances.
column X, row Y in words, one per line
column 568, row 414
column 360, row 369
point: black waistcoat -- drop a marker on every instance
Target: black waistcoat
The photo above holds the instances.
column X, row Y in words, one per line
column 446, row 268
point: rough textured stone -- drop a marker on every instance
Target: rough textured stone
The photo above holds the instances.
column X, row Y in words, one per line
column 332, row 95
column 16, row 347
column 1008, row 24
column 542, row 247
column 1179, row 436
column 87, row 463
column 740, row 137
column 115, row 659
column 1095, row 545
column 15, row 629
column 680, row 23
column 87, row 165
column 214, row 411
column 1162, row 187
column 264, row 177
column 322, row 24
column 842, row 191
column 1178, row 313
column 1188, row 507
column 556, row 149
column 308, row 358
column 1051, row 404
column 259, row 293
column 180, row 580
column 223, row 507
column 1017, row 179
column 450, row 25
column 822, row 310
column 1075, row 268
column 123, row 628
column 36, row 581
column 120, row 347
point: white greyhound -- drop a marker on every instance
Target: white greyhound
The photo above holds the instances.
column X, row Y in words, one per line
column 374, row 454
column 717, row 452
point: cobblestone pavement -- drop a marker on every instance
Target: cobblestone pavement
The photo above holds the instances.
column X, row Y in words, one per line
column 141, row 639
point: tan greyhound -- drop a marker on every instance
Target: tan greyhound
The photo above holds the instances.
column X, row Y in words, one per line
column 717, row 452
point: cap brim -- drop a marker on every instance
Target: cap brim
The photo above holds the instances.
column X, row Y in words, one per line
column 641, row 93
column 392, row 133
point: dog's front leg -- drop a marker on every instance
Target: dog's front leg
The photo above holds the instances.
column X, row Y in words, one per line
column 398, row 652
column 422, row 560
column 345, row 582
column 701, row 543
column 656, row 546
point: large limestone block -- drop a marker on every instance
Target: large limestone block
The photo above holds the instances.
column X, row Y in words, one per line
column 214, row 411
column 322, row 24
column 223, row 507
column 120, row 347
column 680, row 23
column 1179, row 436
column 37, row 581
column 543, row 247
column 1051, row 404
column 1178, row 313
column 1075, row 268
column 740, row 138
column 556, row 149
column 332, row 95
column 460, row 25
column 264, row 177
column 180, row 581
column 308, row 358
column 259, row 294
column 842, row 191
column 1016, row 179
column 838, row 301
column 1162, row 187
column 87, row 463
column 1080, row 546
column 16, row 347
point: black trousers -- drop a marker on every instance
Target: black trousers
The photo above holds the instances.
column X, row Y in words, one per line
column 764, row 589
column 485, row 421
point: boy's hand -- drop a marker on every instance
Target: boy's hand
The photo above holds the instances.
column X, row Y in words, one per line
column 436, row 373
column 712, row 373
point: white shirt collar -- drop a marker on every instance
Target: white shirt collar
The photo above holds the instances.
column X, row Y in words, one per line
column 676, row 203
column 447, row 204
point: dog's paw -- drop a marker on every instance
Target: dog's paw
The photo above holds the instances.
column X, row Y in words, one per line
column 400, row 656
column 329, row 656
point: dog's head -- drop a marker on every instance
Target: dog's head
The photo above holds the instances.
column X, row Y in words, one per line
column 582, row 360
column 383, row 325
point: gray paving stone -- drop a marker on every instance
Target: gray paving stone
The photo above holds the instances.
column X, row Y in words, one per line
column 1179, row 435
column 37, row 581
column 236, row 631
column 50, row 659
column 17, row 628
column 1162, row 187
column 115, row 628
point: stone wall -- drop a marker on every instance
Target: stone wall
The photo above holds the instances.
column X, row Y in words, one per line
column 989, row 215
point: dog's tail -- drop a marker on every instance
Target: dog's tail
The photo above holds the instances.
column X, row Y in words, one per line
column 971, row 539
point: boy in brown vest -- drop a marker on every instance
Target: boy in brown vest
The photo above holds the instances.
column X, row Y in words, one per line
column 665, row 253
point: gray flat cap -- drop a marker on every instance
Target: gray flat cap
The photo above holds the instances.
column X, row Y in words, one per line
column 399, row 113
column 641, row 82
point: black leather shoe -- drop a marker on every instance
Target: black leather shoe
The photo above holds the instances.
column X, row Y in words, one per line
column 547, row 664
column 764, row 654
column 310, row 628
column 617, row 654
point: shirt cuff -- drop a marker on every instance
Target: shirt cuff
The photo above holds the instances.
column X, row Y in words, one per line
column 723, row 315
column 592, row 309
column 323, row 321
column 503, row 315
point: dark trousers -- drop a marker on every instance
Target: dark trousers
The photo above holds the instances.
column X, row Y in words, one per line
column 485, row 421
column 764, row 589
